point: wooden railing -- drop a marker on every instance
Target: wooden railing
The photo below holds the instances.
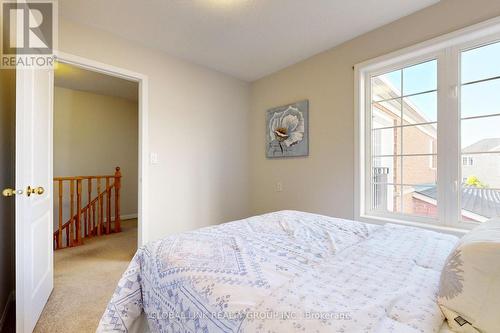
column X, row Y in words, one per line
column 94, row 217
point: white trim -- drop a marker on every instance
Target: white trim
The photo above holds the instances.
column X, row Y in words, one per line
column 474, row 216
column 446, row 49
column 95, row 66
column 359, row 135
column 468, row 34
column 425, row 198
column 384, row 220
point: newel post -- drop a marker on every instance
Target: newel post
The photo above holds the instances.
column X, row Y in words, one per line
column 118, row 176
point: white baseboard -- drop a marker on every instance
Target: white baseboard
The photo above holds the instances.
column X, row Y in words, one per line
column 8, row 304
column 128, row 216
column 123, row 217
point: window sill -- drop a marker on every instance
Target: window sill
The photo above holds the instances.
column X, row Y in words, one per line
column 439, row 228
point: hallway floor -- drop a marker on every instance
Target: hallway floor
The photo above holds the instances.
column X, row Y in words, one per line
column 85, row 277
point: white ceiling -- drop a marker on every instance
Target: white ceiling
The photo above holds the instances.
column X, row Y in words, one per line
column 76, row 78
column 247, row 39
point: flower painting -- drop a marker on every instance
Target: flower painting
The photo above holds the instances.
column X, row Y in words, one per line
column 287, row 132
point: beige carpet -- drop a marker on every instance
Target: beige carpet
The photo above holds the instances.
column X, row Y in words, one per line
column 84, row 280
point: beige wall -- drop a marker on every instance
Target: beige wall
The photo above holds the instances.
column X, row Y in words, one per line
column 7, row 147
column 324, row 181
column 198, row 124
column 92, row 135
column 212, row 161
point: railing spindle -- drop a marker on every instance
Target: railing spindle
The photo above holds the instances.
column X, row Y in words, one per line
column 108, row 207
column 85, row 226
column 67, row 236
column 118, row 176
column 94, row 231
column 72, row 210
column 89, row 190
column 89, row 200
column 78, row 210
column 99, row 207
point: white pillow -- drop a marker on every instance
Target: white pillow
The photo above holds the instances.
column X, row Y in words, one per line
column 469, row 292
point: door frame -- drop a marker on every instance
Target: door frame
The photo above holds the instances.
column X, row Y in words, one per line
column 143, row 104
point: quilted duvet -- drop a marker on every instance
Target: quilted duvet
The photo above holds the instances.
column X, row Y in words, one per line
column 287, row 271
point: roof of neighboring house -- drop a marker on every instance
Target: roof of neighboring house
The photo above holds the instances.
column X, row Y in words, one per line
column 484, row 145
column 389, row 101
column 480, row 201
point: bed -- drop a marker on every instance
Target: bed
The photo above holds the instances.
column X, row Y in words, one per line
column 286, row 271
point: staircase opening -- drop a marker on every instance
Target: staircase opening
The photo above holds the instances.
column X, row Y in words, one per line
column 95, row 191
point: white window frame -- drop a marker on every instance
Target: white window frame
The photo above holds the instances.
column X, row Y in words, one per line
column 446, row 49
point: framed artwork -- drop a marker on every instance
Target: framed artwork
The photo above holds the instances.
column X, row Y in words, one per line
column 287, row 130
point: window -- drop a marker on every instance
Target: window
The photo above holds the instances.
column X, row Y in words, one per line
column 429, row 131
column 467, row 160
column 404, row 126
column 480, row 132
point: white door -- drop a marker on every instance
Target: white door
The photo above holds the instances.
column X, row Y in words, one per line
column 34, row 264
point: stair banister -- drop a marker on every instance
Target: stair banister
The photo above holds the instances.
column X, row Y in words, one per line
column 83, row 223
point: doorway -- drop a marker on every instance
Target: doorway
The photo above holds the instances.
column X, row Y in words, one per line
column 141, row 81
column 34, row 114
column 95, row 167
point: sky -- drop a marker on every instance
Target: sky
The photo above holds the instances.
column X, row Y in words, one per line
column 476, row 99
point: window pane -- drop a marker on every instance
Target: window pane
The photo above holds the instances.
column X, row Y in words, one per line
column 480, row 194
column 479, row 99
column 420, row 201
column 419, row 170
column 420, row 108
column 386, row 113
column 481, row 134
column 481, row 170
column 479, row 204
column 386, row 141
column 384, row 169
column 420, row 78
column 481, row 63
column 419, row 139
column 386, row 86
column 403, row 126
column 386, row 198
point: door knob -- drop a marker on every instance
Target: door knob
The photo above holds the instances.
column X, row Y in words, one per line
column 36, row 190
column 8, row 192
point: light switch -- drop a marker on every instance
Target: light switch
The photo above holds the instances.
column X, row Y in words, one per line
column 154, row 159
column 279, row 187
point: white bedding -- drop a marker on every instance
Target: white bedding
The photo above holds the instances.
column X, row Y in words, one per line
column 141, row 326
column 285, row 272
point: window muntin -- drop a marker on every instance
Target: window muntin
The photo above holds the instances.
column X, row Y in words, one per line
column 480, row 133
column 404, row 141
